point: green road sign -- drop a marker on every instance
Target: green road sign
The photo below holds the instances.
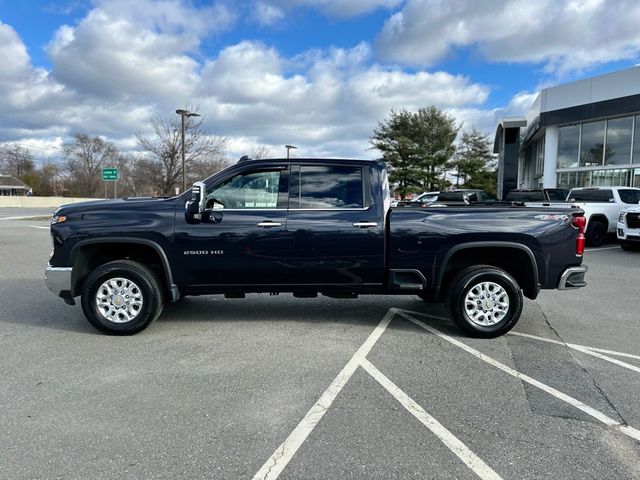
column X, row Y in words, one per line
column 109, row 174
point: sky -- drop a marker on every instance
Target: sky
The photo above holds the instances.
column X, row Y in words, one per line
column 318, row 74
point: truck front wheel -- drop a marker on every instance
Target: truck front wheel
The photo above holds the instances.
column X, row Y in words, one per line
column 121, row 297
column 484, row 301
column 596, row 233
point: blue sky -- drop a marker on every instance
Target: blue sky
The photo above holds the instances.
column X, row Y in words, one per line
column 317, row 73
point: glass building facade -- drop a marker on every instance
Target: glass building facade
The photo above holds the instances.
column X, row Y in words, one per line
column 603, row 152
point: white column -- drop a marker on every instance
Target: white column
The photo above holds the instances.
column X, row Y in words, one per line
column 550, row 157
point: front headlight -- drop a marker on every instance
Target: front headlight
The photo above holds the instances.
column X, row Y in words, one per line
column 58, row 219
column 621, row 217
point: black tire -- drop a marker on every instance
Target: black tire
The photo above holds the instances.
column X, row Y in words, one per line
column 629, row 246
column 596, row 233
column 474, row 278
column 148, row 289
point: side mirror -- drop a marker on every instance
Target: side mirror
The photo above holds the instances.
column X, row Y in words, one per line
column 196, row 205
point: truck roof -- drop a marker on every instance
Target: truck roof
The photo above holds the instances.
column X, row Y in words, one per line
column 309, row 160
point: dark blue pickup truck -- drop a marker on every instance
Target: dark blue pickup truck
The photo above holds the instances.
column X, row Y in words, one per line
column 309, row 227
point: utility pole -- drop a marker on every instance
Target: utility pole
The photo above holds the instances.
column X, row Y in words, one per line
column 183, row 114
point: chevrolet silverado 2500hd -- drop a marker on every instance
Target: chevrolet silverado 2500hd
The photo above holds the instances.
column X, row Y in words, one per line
column 309, row 227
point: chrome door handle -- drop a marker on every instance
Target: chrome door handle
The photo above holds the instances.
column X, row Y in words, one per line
column 365, row 224
column 269, row 224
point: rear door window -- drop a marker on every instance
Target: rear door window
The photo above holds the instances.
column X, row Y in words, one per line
column 589, row 196
column 629, row 196
column 327, row 187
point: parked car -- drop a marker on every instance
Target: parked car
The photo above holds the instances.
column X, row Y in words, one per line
column 465, row 196
column 422, row 200
column 601, row 206
column 309, row 227
column 538, row 195
column 628, row 228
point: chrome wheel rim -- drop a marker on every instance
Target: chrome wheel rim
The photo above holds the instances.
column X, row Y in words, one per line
column 119, row 300
column 486, row 304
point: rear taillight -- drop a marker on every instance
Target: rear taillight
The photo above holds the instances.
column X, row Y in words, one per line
column 580, row 223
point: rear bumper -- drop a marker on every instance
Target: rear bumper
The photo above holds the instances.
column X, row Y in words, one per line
column 58, row 280
column 572, row 278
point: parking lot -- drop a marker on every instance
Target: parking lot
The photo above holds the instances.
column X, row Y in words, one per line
column 276, row 387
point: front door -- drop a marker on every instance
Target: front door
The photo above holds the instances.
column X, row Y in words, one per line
column 241, row 240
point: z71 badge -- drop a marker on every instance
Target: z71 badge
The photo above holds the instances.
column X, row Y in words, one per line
column 204, row 252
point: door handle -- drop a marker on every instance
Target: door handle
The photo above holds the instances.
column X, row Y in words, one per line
column 365, row 224
column 269, row 224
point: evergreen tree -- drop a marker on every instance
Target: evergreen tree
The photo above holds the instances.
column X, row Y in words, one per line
column 474, row 162
column 416, row 147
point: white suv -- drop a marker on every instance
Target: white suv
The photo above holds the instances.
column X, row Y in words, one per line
column 628, row 228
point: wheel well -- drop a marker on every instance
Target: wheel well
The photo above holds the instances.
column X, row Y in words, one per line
column 89, row 257
column 514, row 261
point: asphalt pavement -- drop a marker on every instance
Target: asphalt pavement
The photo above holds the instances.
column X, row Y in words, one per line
column 277, row 387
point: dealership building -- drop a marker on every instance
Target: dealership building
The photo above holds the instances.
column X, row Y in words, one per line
column 580, row 134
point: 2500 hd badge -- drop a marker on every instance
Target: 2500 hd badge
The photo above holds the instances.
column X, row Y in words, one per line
column 204, row 252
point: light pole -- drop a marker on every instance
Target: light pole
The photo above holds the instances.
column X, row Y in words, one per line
column 184, row 113
column 289, row 147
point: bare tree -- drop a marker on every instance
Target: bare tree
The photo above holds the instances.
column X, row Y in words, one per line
column 162, row 163
column 85, row 157
column 261, row 152
column 16, row 161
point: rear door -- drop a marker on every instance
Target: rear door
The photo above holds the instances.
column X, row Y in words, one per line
column 336, row 228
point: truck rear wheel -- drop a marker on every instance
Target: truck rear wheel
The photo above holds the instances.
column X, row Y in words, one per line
column 121, row 297
column 484, row 301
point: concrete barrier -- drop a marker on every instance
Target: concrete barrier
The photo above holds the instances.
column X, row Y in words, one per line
column 39, row 202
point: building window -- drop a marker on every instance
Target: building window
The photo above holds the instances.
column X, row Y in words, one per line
column 636, row 178
column 564, row 180
column 618, row 145
column 568, row 143
column 540, row 157
column 609, row 178
column 584, row 179
column 592, row 144
column 636, row 142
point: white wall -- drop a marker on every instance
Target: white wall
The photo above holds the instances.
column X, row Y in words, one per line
column 39, row 202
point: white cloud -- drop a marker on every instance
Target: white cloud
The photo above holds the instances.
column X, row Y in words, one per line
column 336, row 8
column 564, row 35
column 114, row 69
column 141, row 47
column 267, row 14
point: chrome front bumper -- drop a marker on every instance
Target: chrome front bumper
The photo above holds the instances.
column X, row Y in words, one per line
column 58, row 280
column 573, row 277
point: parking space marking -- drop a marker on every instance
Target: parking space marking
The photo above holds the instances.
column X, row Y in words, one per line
column 463, row 452
column 592, row 412
column 37, row 226
column 276, row 463
column 588, row 350
column 285, row 452
column 601, row 248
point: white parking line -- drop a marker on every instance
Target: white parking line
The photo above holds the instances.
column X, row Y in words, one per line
column 627, row 430
column 274, row 466
column 601, row 248
column 588, row 350
column 37, row 226
column 463, row 452
column 285, row 452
